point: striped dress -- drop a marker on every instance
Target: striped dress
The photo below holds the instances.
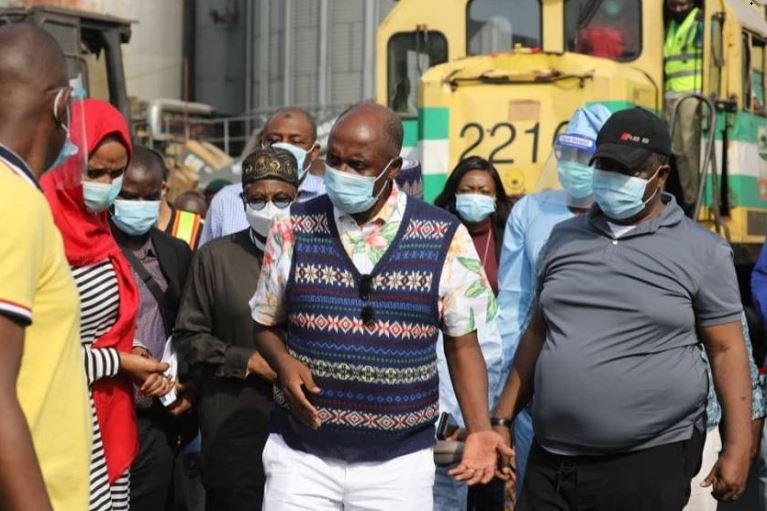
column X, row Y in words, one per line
column 100, row 301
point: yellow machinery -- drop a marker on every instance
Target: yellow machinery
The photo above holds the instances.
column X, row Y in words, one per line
column 501, row 78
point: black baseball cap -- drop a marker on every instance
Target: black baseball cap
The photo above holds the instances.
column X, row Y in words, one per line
column 631, row 136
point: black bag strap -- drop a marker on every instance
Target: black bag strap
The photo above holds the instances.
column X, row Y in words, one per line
column 153, row 287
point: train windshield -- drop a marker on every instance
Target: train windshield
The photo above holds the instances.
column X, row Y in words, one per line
column 500, row 25
column 604, row 28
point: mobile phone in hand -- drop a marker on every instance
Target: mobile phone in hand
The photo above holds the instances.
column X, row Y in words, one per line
column 446, row 426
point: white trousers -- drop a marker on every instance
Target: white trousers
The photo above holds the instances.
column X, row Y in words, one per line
column 296, row 480
column 700, row 498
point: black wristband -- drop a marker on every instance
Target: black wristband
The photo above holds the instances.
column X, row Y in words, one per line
column 497, row 421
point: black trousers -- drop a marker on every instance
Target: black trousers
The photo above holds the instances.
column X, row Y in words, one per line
column 655, row 479
column 152, row 471
column 233, row 473
column 487, row 497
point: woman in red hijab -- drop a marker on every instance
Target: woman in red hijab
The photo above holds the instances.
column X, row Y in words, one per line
column 79, row 200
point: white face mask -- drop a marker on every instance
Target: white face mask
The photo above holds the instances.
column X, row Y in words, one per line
column 261, row 220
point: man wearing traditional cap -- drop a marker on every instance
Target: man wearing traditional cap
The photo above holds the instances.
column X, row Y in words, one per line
column 625, row 294
column 292, row 129
column 214, row 335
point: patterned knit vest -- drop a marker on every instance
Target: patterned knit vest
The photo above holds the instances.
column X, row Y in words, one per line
column 378, row 376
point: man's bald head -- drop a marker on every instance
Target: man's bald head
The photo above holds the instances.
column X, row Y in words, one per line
column 370, row 113
column 29, row 57
column 147, row 164
column 297, row 115
column 32, row 75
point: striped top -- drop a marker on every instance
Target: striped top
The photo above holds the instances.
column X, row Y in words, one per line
column 100, row 301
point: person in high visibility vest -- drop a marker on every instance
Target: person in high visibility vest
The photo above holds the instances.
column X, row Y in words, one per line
column 185, row 225
column 683, row 74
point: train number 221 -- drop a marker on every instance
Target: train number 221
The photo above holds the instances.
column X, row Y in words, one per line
column 507, row 134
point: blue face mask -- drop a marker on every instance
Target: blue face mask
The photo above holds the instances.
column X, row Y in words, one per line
column 135, row 217
column 299, row 153
column 474, row 207
column 576, row 178
column 352, row 193
column 67, row 150
column 99, row 196
column 620, row 196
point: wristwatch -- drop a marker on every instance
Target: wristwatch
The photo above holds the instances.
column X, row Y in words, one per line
column 498, row 421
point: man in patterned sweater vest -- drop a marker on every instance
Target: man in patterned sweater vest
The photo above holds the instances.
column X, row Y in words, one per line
column 362, row 280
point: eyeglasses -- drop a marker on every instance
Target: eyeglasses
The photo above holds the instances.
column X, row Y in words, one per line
column 260, row 204
column 364, row 288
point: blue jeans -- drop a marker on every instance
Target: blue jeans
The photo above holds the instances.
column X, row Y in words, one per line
column 523, row 439
column 449, row 494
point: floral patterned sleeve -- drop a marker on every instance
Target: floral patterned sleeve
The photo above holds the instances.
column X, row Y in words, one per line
column 268, row 304
column 466, row 299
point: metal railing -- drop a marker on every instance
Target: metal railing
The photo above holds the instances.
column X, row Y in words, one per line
column 174, row 121
column 709, row 162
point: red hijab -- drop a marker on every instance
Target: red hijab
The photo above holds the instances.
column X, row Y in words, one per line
column 88, row 240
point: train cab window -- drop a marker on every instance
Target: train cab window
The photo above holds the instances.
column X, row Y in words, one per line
column 500, row 25
column 609, row 29
column 410, row 54
column 757, row 76
column 746, row 71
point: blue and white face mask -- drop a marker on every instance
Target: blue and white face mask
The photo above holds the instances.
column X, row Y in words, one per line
column 576, row 178
column 352, row 193
column 299, row 153
column 135, row 217
column 474, row 207
column 620, row 196
column 68, row 149
column 99, row 196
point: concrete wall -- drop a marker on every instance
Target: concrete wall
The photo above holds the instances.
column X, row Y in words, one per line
column 315, row 53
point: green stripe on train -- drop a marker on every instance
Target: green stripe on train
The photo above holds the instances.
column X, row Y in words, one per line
column 743, row 126
column 433, row 123
column 743, row 191
column 433, row 184
column 409, row 132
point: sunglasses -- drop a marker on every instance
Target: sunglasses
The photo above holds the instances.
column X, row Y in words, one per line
column 260, row 204
column 364, row 288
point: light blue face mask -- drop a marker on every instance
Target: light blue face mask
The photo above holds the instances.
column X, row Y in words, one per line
column 576, row 178
column 474, row 207
column 99, row 196
column 67, row 150
column 299, row 153
column 352, row 193
column 620, row 196
column 135, row 217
